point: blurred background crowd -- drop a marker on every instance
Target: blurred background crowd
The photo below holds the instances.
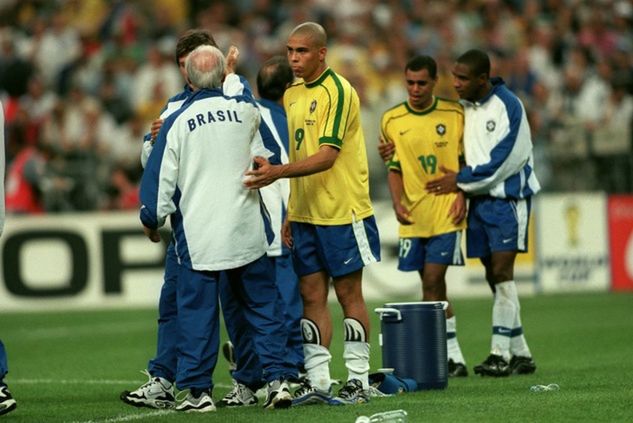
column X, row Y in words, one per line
column 81, row 80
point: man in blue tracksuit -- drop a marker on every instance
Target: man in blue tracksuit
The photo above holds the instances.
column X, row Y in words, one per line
column 499, row 178
column 195, row 174
column 158, row 392
column 272, row 80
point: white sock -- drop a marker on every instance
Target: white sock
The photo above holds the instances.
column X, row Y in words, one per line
column 356, row 351
column 356, row 356
column 452, row 344
column 317, row 364
column 504, row 312
column 316, row 356
column 518, row 344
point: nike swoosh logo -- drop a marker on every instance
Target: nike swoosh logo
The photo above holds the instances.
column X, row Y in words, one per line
column 505, row 241
column 347, row 261
column 444, row 253
column 404, row 132
column 292, row 104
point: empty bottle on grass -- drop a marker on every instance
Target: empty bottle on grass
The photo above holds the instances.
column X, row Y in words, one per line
column 393, row 416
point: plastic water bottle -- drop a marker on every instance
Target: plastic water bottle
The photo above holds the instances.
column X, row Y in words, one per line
column 544, row 388
column 393, row 416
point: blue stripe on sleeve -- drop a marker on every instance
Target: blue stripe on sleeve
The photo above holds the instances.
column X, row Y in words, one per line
column 527, row 189
column 270, row 143
column 513, row 183
column 247, row 91
column 149, row 181
column 279, row 120
column 178, row 231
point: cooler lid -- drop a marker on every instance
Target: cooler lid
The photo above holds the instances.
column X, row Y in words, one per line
column 422, row 304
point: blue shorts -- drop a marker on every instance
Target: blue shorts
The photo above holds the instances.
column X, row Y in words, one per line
column 440, row 249
column 338, row 249
column 497, row 224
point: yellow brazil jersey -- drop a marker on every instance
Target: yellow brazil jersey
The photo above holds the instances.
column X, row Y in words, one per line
column 327, row 112
column 425, row 140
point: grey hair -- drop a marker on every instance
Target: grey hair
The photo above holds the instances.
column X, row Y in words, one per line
column 205, row 67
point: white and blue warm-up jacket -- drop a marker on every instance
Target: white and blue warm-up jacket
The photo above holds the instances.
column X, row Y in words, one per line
column 497, row 147
column 195, row 173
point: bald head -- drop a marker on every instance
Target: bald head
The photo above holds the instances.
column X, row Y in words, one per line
column 313, row 31
column 205, row 67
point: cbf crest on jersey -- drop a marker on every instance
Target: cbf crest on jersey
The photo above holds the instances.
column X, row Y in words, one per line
column 440, row 128
column 313, row 106
column 491, row 125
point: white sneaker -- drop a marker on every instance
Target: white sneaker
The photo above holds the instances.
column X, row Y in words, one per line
column 308, row 394
column 278, row 395
column 155, row 393
column 353, row 393
column 192, row 404
column 240, row 396
column 7, row 403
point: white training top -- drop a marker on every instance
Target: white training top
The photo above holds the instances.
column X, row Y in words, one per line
column 196, row 171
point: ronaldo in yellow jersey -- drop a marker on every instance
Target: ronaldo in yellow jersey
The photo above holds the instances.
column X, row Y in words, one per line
column 427, row 134
column 332, row 229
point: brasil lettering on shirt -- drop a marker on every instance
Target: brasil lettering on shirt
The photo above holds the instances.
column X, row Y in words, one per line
column 213, row 116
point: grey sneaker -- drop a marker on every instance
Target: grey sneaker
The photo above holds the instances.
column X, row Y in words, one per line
column 278, row 395
column 200, row 402
column 309, row 394
column 353, row 393
column 155, row 393
column 240, row 396
column 7, row 403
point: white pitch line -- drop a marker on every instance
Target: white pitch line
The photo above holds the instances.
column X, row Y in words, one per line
column 57, row 332
column 128, row 417
column 75, row 381
column 89, row 382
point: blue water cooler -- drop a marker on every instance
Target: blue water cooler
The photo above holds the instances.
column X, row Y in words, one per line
column 413, row 341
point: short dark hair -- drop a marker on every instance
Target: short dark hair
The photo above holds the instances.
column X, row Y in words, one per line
column 273, row 78
column 477, row 61
column 192, row 39
column 417, row 63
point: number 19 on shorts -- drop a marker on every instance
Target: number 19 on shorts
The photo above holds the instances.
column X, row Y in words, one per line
column 405, row 247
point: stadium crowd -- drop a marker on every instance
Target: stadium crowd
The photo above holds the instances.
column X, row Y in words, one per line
column 81, row 80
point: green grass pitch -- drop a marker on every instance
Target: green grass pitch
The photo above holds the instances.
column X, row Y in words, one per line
column 71, row 367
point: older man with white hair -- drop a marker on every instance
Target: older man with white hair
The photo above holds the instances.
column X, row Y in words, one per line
column 195, row 173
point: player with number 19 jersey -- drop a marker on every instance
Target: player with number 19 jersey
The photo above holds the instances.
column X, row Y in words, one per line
column 325, row 112
column 425, row 140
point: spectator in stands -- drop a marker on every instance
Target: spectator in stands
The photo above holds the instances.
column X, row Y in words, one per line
column 611, row 141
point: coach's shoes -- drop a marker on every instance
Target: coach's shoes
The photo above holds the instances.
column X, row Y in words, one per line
column 196, row 401
column 155, row 393
column 308, row 394
column 240, row 396
column 494, row 365
column 456, row 369
column 520, row 365
column 229, row 354
column 353, row 393
column 7, row 403
column 278, row 395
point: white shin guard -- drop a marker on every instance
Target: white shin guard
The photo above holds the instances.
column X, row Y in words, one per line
column 356, row 351
column 316, row 356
